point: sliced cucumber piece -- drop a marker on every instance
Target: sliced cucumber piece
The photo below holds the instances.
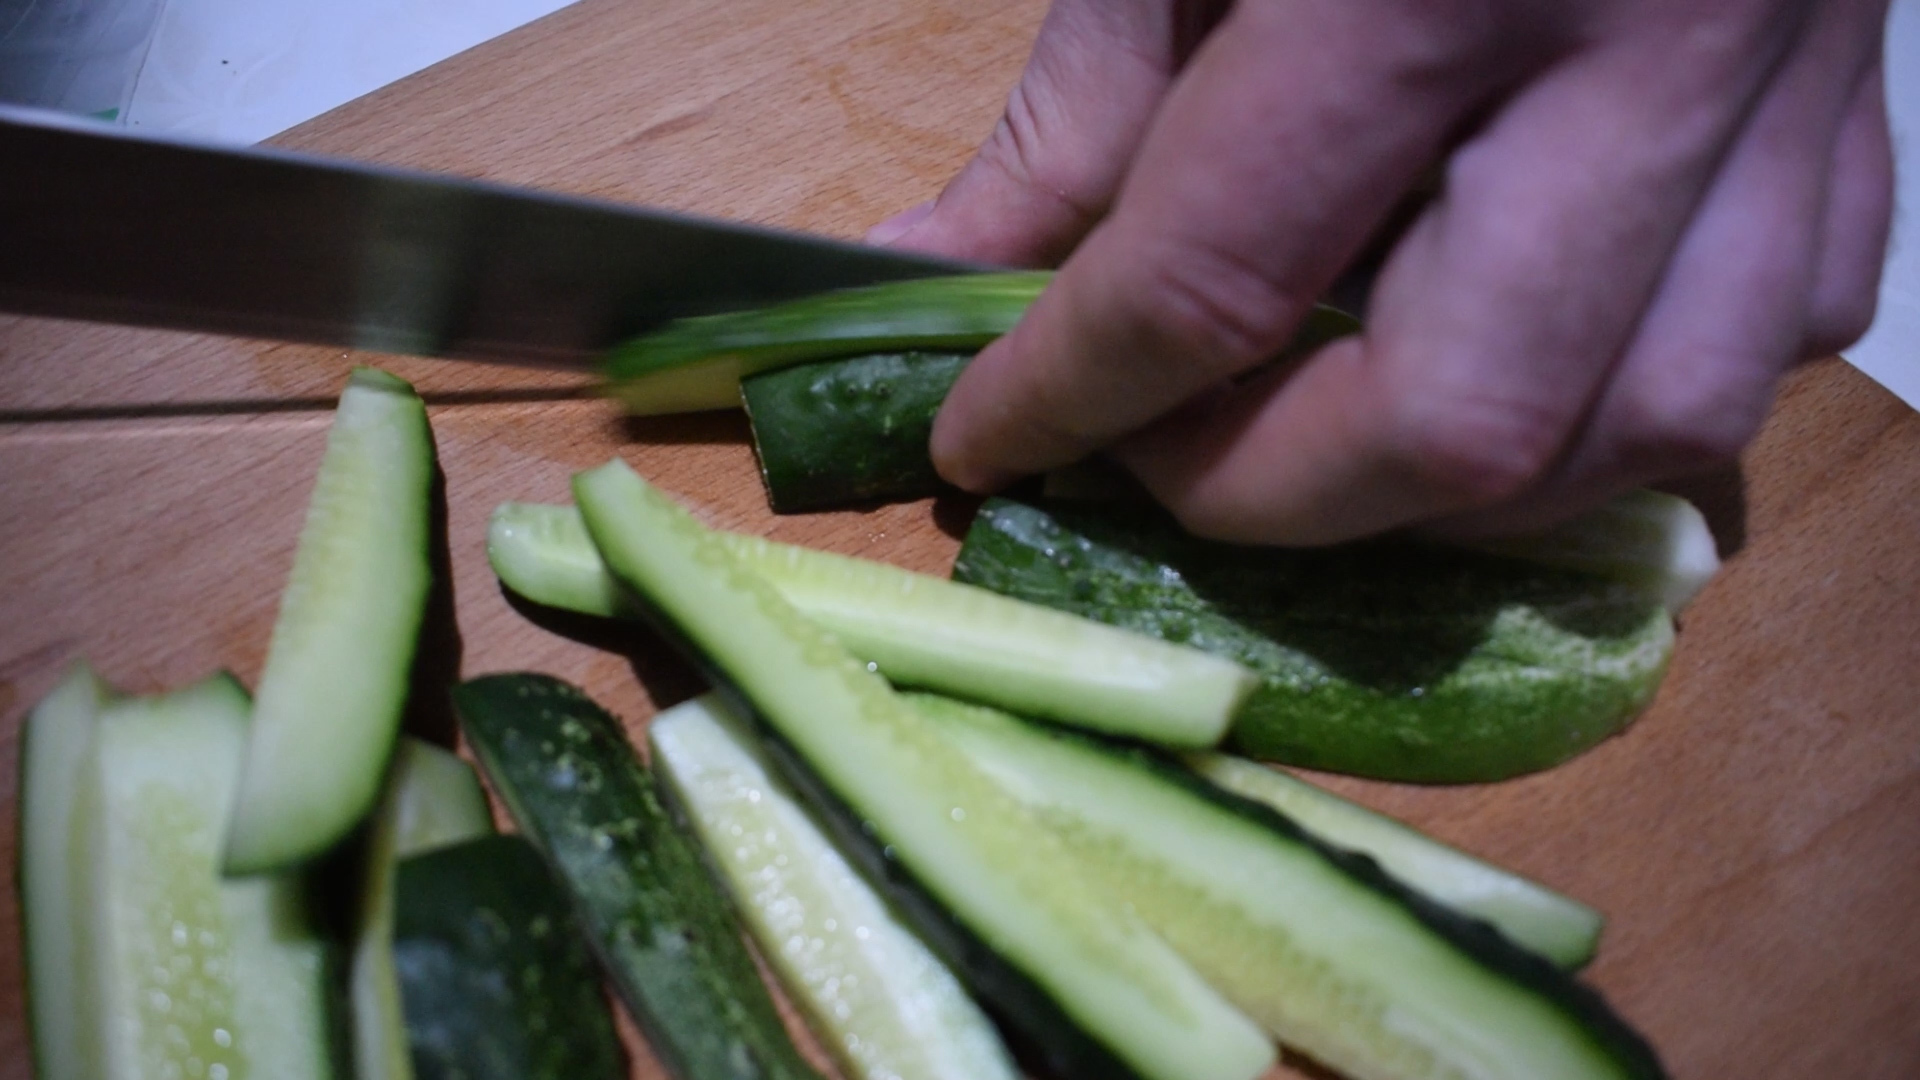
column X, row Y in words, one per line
column 836, row 432
column 1076, row 974
column 698, row 363
column 920, row 630
column 54, row 746
column 497, row 981
column 337, row 669
column 1387, row 659
column 1557, row 927
column 433, row 799
column 650, row 907
column 886, row 1006
column 1332, row 955
column 191, row 974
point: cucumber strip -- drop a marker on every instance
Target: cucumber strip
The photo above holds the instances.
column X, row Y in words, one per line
column 920, row 630
column 855, row 429
column 497, row 982
column 1335, row 957
column 888, row 1008
column 1095, row 992
column 836, row 432
column 433, row 799
column 1557, row 927
column 651, row 909
column 1386, row 659
column 1658, row 541
column 696, row 364
column 336, row 676
column 191, row 974
column 54, row 745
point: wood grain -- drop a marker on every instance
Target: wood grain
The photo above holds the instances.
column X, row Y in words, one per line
column 1752, row 839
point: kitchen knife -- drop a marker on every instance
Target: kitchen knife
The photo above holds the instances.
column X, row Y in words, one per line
column 98, row 223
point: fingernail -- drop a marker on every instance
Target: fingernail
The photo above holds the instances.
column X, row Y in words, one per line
column 899, row 224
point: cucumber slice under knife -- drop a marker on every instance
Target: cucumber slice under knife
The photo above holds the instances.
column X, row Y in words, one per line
column 329, row 701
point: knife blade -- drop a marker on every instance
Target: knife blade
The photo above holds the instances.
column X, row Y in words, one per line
column 100, row 224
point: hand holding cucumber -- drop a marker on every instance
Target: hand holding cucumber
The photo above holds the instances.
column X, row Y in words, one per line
column 1649, row 212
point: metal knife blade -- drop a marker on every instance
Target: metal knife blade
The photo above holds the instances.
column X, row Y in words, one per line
column 100, row 224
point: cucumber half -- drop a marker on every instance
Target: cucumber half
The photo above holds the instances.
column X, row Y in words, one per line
column 188, row 973
column 920, row 630
column 433, row 799
column 1557, row 927
column 1098, row 994
column 1332, row 955
column 497, row 982
column 1387, row 659
column 650, row 907
column 336, row 677
column 886, row 1006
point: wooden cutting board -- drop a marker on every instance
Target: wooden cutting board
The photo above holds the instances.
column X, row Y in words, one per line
column 1754, row 839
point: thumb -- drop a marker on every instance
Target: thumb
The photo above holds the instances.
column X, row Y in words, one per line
column 1055, row 160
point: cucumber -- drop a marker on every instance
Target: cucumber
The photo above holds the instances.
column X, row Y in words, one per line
column 1657, row 541
column 1382, row 658
column 1095, row 992
column 497, row 982
column 697, row 363
column 921, row 631
column 1333, row 956
column 188, row 973
column 54, row 746
column 836, row 432
column 336, row 676
column 885, row 1006
column 855, row 430
column 432, row 799
column 1535, row 917
column 651, row 909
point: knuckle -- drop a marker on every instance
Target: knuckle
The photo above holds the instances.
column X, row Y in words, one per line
column 1703, row 412
column 1475, row 449
column 1210, row 305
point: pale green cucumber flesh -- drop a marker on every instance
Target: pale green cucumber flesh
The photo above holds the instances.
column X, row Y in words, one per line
column 336, row 677
column 921, row 631
column 497, row 982
column 1556, row 926
column 1331, row 954
column 192, row 974
column 1098, row 993
column 432, row 799
column 54, row 746
column 883, row 1004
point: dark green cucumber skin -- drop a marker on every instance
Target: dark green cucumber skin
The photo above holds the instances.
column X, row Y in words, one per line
column 651, row 907
column 495, row 980
column 854, row 430
column 1035, row 1027
column 1477, row 939
column 1359, row 646
column 849, row 431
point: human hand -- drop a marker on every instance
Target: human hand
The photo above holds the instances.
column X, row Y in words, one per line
column 1650, row 210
